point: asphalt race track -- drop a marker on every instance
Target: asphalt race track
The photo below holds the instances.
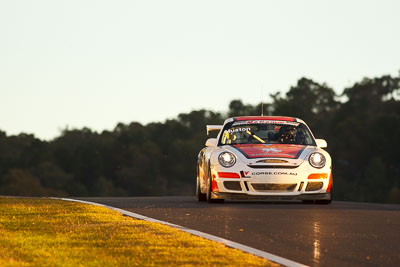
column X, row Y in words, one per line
column 340, row 234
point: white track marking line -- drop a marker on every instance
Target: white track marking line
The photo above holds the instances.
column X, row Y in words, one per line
column 224, row 241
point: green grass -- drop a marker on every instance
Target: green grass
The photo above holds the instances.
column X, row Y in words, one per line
column 45, row 232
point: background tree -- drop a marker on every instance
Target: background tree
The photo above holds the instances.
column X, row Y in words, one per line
column 157, row 159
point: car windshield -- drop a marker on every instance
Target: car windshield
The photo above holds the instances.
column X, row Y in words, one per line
column 266, row 132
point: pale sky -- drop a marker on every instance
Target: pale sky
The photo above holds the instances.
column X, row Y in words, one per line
column 96, row 63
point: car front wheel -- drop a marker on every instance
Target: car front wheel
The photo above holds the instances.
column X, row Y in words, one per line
column 323, row 201
column 200, row 196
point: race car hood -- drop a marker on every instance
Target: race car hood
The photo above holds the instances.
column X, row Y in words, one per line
column 252, row 151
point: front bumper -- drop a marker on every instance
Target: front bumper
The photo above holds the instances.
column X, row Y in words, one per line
column 273, row 184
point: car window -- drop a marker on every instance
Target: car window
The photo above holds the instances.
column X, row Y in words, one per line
column 266, row 132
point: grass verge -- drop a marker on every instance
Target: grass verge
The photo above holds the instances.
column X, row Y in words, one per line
column 45, row 232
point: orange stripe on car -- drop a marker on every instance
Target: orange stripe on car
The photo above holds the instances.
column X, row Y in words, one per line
column 318, row 176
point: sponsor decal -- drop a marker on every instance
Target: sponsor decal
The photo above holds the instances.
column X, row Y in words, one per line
column 239, row 130
column 244, row 174
column 270, row 151
column 274, row 173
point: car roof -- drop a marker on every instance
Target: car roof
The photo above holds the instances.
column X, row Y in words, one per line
column 273, row 118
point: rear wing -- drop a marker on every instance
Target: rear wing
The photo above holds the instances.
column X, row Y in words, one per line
column 213, row 128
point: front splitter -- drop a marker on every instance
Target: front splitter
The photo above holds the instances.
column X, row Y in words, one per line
column 242, row 196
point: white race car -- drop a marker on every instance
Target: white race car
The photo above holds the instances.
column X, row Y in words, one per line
column 265, row 158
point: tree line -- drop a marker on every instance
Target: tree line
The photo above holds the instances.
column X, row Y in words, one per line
column 361, row 126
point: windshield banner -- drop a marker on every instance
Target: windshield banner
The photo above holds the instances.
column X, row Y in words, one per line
column 267, row 122
column 270, row 151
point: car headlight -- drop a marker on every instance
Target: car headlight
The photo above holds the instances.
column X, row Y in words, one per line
column 227, row 159
column 317, row 160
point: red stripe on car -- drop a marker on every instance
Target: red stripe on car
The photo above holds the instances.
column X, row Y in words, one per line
column 214, row 186
column 228, row 175
column 276, row 118
column 330, row 184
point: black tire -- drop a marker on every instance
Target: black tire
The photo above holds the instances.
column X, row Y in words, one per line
column 209, row 187
column 200, row 196
column 308, row 201
column 323, row 201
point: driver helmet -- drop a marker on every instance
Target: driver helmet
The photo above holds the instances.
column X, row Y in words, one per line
column 287, row 134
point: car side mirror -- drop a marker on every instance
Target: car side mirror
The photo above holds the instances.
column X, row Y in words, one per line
column 321, row 143
column 212, row 142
